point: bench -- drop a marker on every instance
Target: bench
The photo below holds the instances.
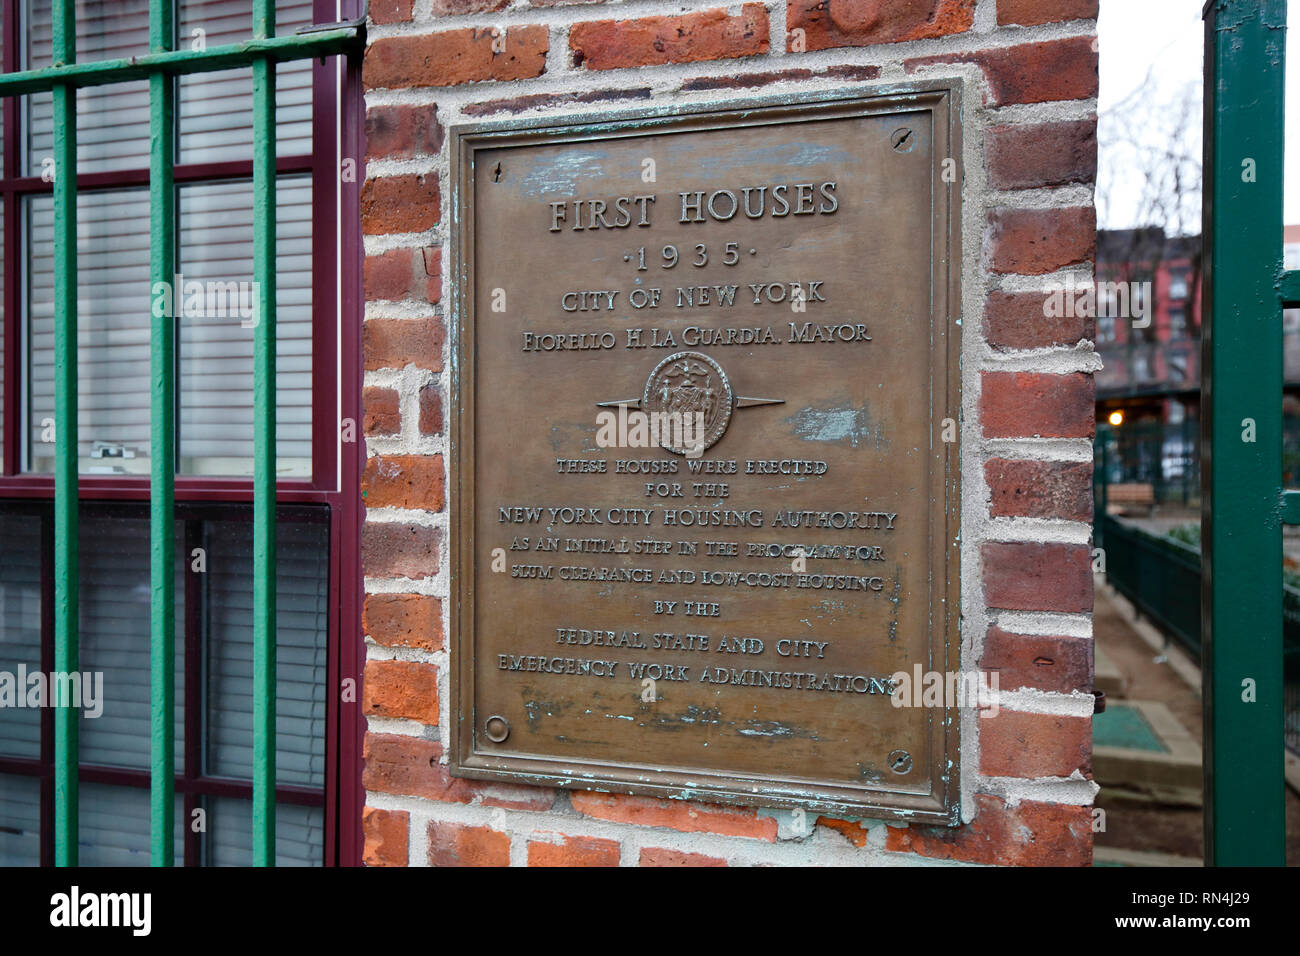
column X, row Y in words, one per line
column 1129, row 498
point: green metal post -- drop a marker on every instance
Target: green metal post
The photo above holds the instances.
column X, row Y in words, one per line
column 1242, row 433
column 347, row 39
column 264, row 632
column 66, row 527
column 162, row 441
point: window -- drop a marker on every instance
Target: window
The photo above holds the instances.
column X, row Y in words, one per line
column 317, row 386
column 1177, row 323
column 1178, row 285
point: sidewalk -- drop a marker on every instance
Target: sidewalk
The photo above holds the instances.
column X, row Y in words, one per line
column 1157, row 671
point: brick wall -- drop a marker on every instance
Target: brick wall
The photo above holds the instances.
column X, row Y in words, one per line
column 1027, row 420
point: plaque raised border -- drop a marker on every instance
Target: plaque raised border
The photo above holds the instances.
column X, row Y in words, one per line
column 942, row 98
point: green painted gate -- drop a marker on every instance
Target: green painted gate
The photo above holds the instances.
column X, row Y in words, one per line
column 161, row 67
column 1243, row 503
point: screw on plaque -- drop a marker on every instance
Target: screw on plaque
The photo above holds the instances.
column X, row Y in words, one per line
column 900, row 761
column 902, row 140
column 496, row 174
column 497, row 729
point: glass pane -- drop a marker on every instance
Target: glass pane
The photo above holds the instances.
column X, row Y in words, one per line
column 302, row 605
column 20, row 634
column 112, row 121
column 20, row 821
column 299, row 834
column 216, row 119
column 115, row 641
column 112, row 334
column 214, row 306
column 113, row 829
column 216, row 344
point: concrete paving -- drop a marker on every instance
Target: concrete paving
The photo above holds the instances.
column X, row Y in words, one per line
column 1145, row 828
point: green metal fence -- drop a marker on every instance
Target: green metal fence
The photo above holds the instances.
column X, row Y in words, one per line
column 1161, row 577
column 1167, row 456
column 161, row 67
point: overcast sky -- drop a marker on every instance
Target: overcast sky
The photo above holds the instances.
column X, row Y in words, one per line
column 1166, row 38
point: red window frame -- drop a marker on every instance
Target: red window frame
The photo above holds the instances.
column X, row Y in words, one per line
column 337, row 133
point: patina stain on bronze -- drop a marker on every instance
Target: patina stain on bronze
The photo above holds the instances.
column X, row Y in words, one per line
column 703, row 509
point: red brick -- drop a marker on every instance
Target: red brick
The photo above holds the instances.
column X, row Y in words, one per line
column 1037, row 405
column 1059, row 664
column 407, row 766
column 406, row 689
column 1029, row 576
column 1014, row 744
column 454, row 844
column 1037, row 241
column 657, row 856
column 852, row 830
column 1031, row 12
column 741, row 81
column 835, row 23
column 515, row 797
column 397, row 343
column 689, row 38
column 846, row 72
column 517, row 104
column 401, row 132
column 1040, row 489
column 388, row 276
column 403, row 620
column 1031, row 72
column 383, row 414
column 573, row 851
column 1019, row 320
column 431, row 409
column 408, row 203
column 1028, row 834
column 397, row 550
column 387, row 835
column 674, row 814
column 404, row 481
column 1046, row 154
column 429, row 279
column 451, row 8
column 412, row 766
column 453, row 57
column 390, row 11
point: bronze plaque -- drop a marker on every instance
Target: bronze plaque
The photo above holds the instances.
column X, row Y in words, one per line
column 703, row 509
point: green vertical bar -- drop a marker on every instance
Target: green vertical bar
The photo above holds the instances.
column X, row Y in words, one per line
column 264, row 444
column 1241, row 479
column 66, row 565
column 162, row 443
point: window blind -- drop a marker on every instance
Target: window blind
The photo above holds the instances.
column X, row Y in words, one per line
column 20, row 627
column 215, row 123
column 113, row 829
column 215, row 228
column 20, row 820
column 302, row 623
column 216, row 351
column 216, row 354
column 115, row 641
column 299, row 834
